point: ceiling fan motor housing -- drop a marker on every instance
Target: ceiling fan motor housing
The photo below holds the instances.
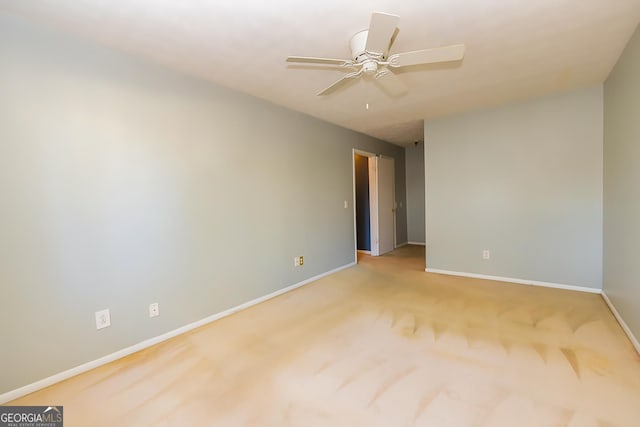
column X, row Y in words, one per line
column 359, row 54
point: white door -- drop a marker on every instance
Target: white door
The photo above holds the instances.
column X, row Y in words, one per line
column 386, row 205
column 382, row 185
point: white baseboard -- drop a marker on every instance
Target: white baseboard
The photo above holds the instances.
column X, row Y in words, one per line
column 518, row 281
column 634, row 341
column 417, row 243
column 623, row 324
column 61, row 376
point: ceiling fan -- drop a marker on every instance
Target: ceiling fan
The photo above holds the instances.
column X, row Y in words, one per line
column 370, row 56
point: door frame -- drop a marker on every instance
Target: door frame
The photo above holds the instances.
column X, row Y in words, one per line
column 373, row 202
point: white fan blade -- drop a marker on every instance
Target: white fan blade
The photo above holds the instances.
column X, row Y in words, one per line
column 381, row 30
column 427, row 56
column 312, row 60
column 390, row 83
column 347, row 78
column 394, row 37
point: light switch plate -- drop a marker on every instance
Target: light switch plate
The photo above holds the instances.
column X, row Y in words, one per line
column 103, row 318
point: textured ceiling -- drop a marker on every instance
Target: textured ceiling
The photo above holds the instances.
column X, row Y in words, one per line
column 515, row 49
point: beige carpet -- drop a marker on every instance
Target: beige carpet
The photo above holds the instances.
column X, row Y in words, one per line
column 381, row 344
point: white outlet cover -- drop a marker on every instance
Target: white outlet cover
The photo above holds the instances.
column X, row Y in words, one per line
column 154, row 309
column 486, row 254
column 103, row 318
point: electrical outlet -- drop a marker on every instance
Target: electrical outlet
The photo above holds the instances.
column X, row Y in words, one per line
column 486, row 254
column 154, row 309
column 103, row 318
column 301, row 260
column 298, row 261
column 346, row 204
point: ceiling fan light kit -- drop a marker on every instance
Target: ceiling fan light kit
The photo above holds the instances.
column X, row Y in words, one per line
column 369, row 56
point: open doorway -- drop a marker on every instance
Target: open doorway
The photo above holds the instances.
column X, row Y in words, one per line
column 362, row 204
column 374, row 203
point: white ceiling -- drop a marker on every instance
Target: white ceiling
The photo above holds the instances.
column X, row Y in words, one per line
column 516, row 49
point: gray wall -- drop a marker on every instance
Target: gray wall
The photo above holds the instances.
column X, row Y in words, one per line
column 414, row 164
column 524, row 181
column 122, row 184
column 621, row 183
